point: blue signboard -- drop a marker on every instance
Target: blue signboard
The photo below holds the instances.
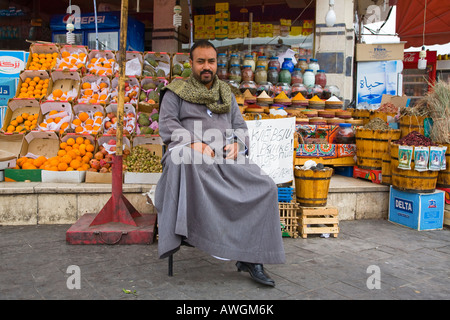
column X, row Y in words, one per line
column 12, row 63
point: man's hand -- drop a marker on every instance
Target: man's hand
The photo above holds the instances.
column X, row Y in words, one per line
column 231, row 150
column 203, row 148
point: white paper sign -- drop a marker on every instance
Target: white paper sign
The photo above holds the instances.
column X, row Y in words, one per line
column 272, row 147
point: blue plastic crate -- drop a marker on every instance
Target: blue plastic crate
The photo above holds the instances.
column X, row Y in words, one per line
column 285, row 194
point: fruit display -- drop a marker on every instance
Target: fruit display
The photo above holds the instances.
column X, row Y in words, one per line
column 94, row 90
column 147, row 123
column 43, row 61
column 31, row 163
column 131, row 90
column 143, row 160
column 100, row 64
column 150, row 89
column 88, row 122
column 33, row 87
column 156, row 64
column 103, row 159
column 74, row 154
column 22, row 123
column 55, row 121
column 71, row 60
column 60, row 95
column 181, row 66
column 110, row 123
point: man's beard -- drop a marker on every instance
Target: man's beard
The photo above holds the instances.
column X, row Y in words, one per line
column 199, row 77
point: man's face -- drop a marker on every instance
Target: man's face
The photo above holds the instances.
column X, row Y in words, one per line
column 204, row 65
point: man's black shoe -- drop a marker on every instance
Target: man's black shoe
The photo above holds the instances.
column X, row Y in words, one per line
column 256, row 271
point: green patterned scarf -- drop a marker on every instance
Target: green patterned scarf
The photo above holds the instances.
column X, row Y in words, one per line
column 194, row 91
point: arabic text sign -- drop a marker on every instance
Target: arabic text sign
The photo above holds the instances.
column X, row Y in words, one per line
column 11, row 63
column 272, row 147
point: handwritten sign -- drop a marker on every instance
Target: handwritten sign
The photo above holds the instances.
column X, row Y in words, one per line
column 272, row 147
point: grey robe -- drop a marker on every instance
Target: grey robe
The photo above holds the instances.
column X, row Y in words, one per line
column 226, row 210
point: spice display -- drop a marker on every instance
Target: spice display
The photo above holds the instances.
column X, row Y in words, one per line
column 345, row 134
column 415, row 139
column 303, row 65
column 248, row 61
column 377, row 124
column 222, row 71
column 388, row 107
column 142, row 160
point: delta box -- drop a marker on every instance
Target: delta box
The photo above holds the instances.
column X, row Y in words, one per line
column 420, row 211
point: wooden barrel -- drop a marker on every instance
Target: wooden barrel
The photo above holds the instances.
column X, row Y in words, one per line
column 411, row 123
column 386, row 177
column 411, row 180
column 361, row 114
column 443, row 180
column 371, row 145
column 311, row 187
column 382, row 115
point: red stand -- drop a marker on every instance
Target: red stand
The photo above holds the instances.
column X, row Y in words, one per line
column 117, row 223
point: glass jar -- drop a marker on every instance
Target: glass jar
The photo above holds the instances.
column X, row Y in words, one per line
column 222, row 71
column 248, row 60
column 283, row 87
column 261, row 74
column 288, row 64
column 313, row 65
column 248, row 85
column 317, row 91
column 284, row 76
column 297, row 76
column 321, row 78
column 302, row 64
column 345, row 134
column 272, row 75
column 222, row 59
column 273, row 62
column 234, row 59
column 247, row 73
column 235, row 73
column 299, row 87
column 267, row 87
column 262, row 61
column 309, row 78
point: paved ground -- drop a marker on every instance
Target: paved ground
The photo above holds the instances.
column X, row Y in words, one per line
column 34, row 262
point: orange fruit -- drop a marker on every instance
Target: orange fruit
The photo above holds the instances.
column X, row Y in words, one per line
column 86, row 85
column 65, row 54
column 85, row 159
column 62, row 166
column 57, row 93
column 63, row 145
column 70, row 141
column 64, row 126
column 76, row 145
column 61, row 153
column 66, row 159
column 88, row 92
column 11, row 128
column 103, row 85
column 75, row 164
column 19, row 119
column 79, row 140
column 79, row 129
column 83, row 116
column 52, row 112
column 76, row 122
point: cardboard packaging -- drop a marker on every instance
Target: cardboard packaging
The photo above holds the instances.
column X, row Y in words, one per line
column 379, row 51
column 420, row 211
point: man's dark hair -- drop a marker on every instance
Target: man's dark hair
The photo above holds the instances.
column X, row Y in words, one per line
column 201, row 44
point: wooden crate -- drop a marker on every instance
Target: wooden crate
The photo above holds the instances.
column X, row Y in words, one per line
column 289, row 219
column 318, row 220
column 447, row 218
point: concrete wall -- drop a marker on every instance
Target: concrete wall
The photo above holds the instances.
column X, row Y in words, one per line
column 334, row 46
